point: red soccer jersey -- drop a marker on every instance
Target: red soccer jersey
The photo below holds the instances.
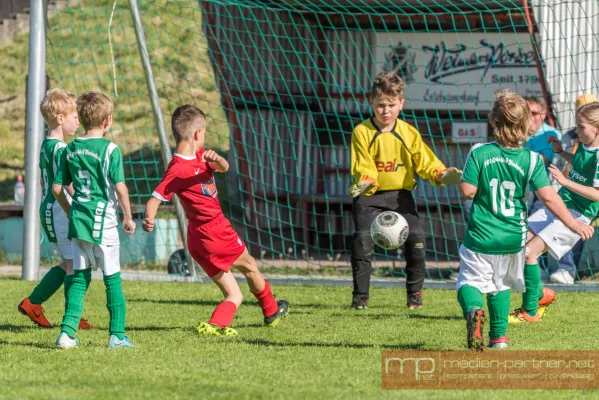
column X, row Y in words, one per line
column 191, row 179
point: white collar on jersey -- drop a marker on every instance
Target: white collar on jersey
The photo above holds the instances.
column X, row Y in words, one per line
column 584, row 146
column 184, row 157
column 88, row 138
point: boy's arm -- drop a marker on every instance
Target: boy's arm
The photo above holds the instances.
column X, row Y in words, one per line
column 165, row 191
column 559, row 150
column 70, row 190
column 216, row 162
column 151, row 210
column 428, row 166
column 591, row 193
column 363, row 168
column 469, row 180
column 61, row 198
column 467, row 190
column 116, row 174
column 123, row 195
column 556, row 206
column 62, row 177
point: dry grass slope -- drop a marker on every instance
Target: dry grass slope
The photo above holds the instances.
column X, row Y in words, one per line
column 79, row 59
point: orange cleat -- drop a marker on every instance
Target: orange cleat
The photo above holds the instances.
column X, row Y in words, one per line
column 83, row 324
column 548, row 297
column 35, row 312
column 520, row 315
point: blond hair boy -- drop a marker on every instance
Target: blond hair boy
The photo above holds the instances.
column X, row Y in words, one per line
column 60, row 113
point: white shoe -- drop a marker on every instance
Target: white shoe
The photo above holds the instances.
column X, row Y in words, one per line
column 64, row 341
column 562, row 276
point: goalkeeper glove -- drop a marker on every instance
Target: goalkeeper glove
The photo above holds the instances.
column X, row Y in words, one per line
column 449, row 176
column 363, row 186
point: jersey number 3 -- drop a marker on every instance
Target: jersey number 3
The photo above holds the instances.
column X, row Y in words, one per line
column 84, row 175
column 506, row 204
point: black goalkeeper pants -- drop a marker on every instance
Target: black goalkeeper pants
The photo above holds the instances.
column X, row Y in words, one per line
column 365, row 209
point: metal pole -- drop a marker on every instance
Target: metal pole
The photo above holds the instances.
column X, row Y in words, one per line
column 164, row 144
column 34, row 128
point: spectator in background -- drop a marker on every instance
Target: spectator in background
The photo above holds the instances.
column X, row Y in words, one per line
column 538, row 141
column 566, row 272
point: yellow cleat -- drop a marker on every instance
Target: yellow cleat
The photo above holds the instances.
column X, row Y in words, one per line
column 520, row 316
column 542, row 310
column 206, row 329
column 227, row 331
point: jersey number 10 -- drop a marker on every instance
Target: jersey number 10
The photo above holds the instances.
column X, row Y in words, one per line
column 506, row 204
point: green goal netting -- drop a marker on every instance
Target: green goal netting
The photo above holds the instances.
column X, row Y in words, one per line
column 284, row 82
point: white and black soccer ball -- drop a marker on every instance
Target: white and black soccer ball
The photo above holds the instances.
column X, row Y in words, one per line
column 389, row 230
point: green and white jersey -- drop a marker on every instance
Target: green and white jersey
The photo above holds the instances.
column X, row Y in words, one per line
column 584, row 170
column 95, row 166
column 50, row 210
column 498, row 216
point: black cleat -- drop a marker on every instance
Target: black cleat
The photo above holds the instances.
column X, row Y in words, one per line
column 282, row 310
column 359, row 304
column 415, row 300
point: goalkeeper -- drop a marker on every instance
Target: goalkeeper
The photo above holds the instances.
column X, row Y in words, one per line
column 386, row 153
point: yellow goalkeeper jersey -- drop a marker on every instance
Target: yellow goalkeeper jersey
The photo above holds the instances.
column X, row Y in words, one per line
column 391, row 158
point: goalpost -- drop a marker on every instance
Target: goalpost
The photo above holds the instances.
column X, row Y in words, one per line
column 284, row 82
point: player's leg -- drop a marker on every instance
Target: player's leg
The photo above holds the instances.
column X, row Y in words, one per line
column 31, row 306
column 67, row 254
column 56, row 225
column 474, row 279
column 402, row 201
column 220, row 321
column 499, row 309
column 272, row 310
column 471, row 302
column 415, row 252
column 50, row 283
column 537, row 222
column 365, row 209
column 529, row 311
column 82, row 275
column 108, row 258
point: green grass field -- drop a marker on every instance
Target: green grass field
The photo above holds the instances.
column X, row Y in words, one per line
column 322, row 350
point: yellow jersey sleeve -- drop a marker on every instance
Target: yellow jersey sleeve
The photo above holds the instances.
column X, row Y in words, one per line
column 362, row 163
column 426, row 163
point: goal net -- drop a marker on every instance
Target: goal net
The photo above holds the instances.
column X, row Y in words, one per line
column 284, row 82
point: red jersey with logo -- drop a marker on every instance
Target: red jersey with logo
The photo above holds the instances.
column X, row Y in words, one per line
column 211, row 239
column 193, row 181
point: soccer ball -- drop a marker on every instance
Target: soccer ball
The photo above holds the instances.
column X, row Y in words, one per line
column 389, row 230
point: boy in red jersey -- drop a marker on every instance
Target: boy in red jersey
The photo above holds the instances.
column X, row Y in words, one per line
column 211, row 239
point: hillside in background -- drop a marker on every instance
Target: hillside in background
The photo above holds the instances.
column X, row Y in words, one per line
column 80, row 58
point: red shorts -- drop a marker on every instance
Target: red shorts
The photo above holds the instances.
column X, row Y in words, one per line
column 214, row 245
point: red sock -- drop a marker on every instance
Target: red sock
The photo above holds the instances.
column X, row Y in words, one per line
column 223, row 314
column 267, row 301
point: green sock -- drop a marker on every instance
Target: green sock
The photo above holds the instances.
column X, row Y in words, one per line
column 532, row 279
column 74, row 301
column 49, row 284
column 540, row 290
column 469, row 298
column 68, row 282
column 499, row 309
column 115, row 302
